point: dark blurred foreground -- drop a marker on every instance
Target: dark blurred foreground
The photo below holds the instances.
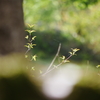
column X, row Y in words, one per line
column 16, row 83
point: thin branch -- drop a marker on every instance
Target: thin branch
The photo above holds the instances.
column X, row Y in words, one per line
column 55, row 66
column 52, row 69
column 27, row 50
column 69, row 57
column 49, row 68
column 54, row 57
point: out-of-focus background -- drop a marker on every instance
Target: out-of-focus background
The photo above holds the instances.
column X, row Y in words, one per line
column 73, row 23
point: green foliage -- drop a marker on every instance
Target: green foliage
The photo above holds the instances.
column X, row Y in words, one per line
column 74, row 23
column 74, row 51
column 50, row 12
column 29, row 45
column 85, row 27
column 82, row 4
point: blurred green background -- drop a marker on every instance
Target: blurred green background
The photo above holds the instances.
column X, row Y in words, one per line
column 73, row 23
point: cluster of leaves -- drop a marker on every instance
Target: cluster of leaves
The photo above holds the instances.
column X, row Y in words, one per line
column 72, row 53
column 29, row 44
column 82, row 25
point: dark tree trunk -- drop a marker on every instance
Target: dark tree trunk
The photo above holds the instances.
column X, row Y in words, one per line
column 14, row 83
column 11, row 27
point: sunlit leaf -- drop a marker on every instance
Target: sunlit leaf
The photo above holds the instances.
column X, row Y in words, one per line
column 75, row 50
column 31, row 26
column 30, row 31
column 71, row 53
column 26, row 46
column 33, row 37
column 30, row 45
column 63, row 57
column 27, row 37
column 34, row 57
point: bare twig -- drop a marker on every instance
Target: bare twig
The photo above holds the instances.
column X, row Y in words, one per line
column 55, row 66
column 54, row 57
column 52, row 69
column 63, row 61
column 27, row 50
column 69, row 57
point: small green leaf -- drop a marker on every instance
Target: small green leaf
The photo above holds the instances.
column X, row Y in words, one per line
column 71, row 53
column 34, row 57
column 30, row 45
column 27, row 46
column 27, row 37
column 63, row 57
column 31, row 26
column 75, row 50
column 33, row 37
column 30, row 31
